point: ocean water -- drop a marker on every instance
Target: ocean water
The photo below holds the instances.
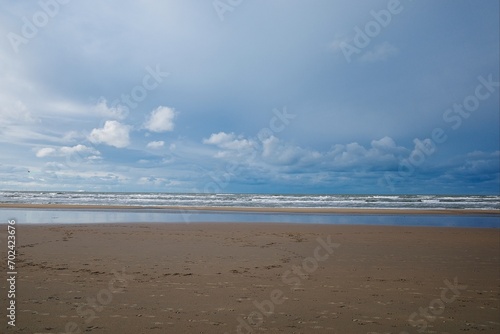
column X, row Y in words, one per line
column 150, row 214
column 255, row 200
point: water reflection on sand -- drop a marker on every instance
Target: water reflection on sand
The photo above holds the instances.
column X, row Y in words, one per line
column 40, row 216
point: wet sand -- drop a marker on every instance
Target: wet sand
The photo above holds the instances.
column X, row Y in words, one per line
column 357, row 211
column 253, row 278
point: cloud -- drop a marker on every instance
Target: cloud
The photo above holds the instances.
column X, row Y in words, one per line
column 382, row 154
column 277, row 152
column 228, row 141
column 47, row 103
column 14, row 111
column 386, row 144
column 155, row 144
column 77, row 149
column 45, row 152
column 272, row 152
column 379, row 52
column 161, row 120
column 65, row 151
column 479, row 164
column 117, row 112
column 113, row 133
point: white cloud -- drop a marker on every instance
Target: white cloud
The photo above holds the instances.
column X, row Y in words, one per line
column 422, row 150
column 161, row 120
column 219, row 138
column 478, row 164
column 277, row 152
column 280, row 153
column 117, row 112
column 16, row 90
column 381, row 154
column 45, row 152
column 384, row 144
column 269, row 146
column 77, row 149
column 66, row 151
column 379, row 52
column 155, row 144
column 272, row 151
column 113, row 133
column 14, row 111
column 228, row 141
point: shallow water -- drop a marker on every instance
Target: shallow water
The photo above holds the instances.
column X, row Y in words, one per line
column 64, row 216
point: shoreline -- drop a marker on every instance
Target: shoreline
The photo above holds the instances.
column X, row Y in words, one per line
column 346, row 211
column 252, row 225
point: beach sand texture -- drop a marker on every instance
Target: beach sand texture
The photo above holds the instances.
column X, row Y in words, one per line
column 254, row 278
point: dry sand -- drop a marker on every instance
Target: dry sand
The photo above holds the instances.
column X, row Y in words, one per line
column 243, row 278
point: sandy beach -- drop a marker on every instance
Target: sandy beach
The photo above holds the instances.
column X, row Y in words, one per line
column 252, row 278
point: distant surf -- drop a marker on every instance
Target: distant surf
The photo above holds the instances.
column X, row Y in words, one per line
column 476, row 202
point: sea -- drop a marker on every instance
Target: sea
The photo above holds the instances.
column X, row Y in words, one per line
column 149, row 212
column 254, row 200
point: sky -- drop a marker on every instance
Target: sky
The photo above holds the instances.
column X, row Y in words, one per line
column 240, row 96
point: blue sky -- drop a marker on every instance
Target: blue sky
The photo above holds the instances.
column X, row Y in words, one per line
column 262, row 96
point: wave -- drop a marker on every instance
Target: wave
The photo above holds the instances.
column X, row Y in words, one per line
column 255, row 200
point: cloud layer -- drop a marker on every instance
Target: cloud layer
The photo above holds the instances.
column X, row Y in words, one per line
column 176, row 96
